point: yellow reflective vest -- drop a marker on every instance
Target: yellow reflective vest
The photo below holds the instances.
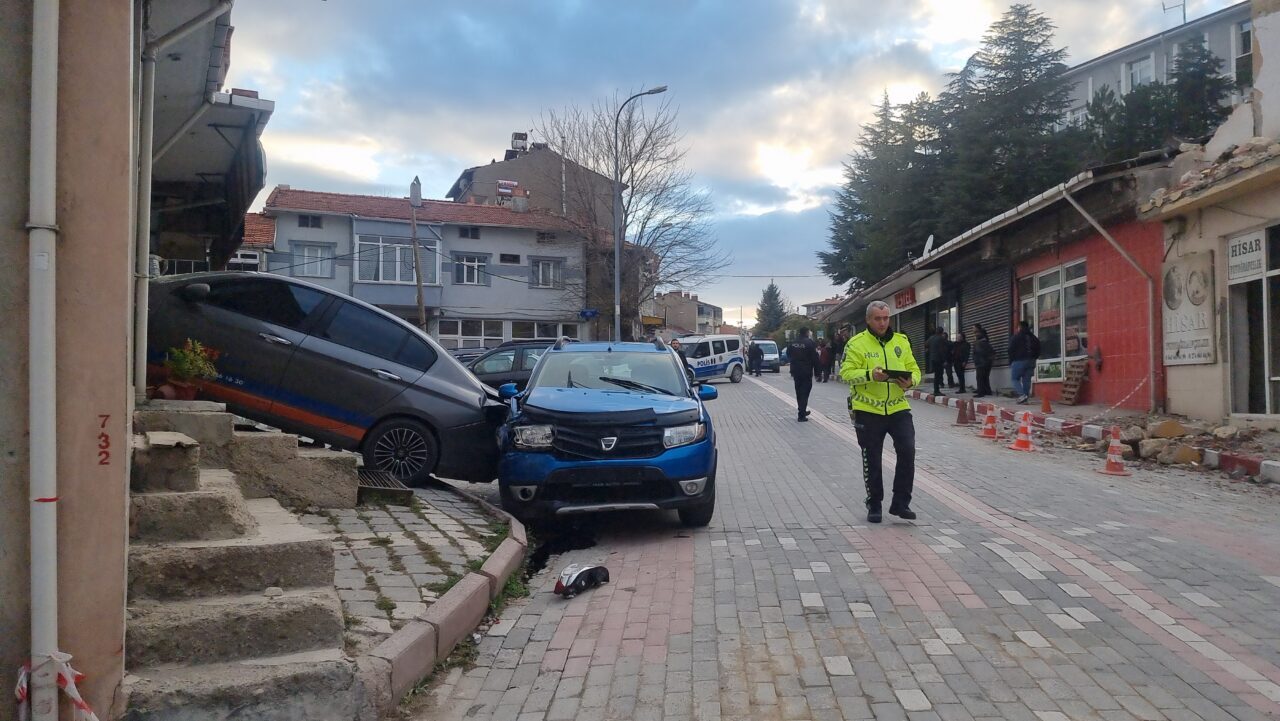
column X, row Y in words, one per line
column 865, row 352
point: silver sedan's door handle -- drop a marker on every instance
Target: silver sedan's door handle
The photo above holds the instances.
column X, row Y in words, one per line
column 386, row 375
column 271, row 338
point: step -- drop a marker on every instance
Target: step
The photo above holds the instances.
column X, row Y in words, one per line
column 280, row 552
column 315, row 686
column 208, row 423
column 165, row 461
column 230, row 628
column 272, row 465
column 216, row 510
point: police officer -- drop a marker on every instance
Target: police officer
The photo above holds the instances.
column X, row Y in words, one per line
column 803, row 354
column 878, row 407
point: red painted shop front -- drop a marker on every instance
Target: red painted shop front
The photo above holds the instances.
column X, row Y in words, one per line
column 1085, row 301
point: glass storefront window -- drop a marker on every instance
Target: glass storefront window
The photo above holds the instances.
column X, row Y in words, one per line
column 1054, row 303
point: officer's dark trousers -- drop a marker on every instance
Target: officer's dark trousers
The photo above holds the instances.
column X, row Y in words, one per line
column 871, row 429
column 804, row 384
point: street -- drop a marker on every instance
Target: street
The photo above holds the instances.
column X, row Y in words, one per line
column 1030, row 587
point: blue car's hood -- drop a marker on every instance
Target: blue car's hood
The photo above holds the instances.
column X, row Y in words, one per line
column 589, row 400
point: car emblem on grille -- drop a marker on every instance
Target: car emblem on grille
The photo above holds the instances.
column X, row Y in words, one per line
column 608, row 443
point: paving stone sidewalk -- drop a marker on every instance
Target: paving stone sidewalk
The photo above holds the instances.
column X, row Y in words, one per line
column 392, row 562
column 1031, row 587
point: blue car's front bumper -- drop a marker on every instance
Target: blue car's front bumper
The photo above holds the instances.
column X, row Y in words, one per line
column 560, row 486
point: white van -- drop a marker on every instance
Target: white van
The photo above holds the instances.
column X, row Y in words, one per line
column 772, row 360
column 715, row 356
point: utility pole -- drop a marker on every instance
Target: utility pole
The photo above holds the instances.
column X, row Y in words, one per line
column 415, row 202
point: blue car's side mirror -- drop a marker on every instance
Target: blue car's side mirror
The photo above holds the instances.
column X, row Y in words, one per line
column 707, row 393
column 507, row 391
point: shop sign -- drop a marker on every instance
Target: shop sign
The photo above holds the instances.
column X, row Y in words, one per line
column 507, row 187
column 1189, row 317
column 1244, row 257
column 904, row 298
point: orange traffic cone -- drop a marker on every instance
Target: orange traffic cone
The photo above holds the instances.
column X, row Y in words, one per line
column 1115, row 456
column 989, row 429
column 1045, row 408
column 965, row 415
column 1023, row 442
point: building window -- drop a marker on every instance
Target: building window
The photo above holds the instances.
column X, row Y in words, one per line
column 509, row 258
column 245, row 260
column 545, row 237
column 527, row 329
column 469, row 333
column 1243, row 61
column 310, row 221
column 469, row 269
column 469, row 231
column 390, row 260
column 1054, row 302
column 313, row 260
column 1139, row 72
column 546, row 274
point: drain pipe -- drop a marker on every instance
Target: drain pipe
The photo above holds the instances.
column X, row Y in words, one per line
column 146, row 159
column 1151, row 295
column 42, row 232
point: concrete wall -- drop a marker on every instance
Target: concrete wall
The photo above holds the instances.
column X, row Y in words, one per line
column 15, row 80
column 93, row 314
column 507, row 292
column 539, row 173
column 335, row 232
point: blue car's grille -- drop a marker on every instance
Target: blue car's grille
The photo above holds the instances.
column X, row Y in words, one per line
column 590, row 441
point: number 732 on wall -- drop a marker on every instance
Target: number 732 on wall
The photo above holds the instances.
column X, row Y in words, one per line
column 104, row 441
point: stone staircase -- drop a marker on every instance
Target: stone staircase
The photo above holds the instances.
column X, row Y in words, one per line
column 232, row 612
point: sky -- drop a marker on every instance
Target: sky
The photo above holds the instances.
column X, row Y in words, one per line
column 770, row 95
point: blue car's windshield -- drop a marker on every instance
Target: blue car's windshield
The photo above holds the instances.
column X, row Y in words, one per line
column 618, row 371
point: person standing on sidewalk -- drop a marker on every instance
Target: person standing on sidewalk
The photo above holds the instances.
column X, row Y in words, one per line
column 878, row 407
column 960, row 357
column 984, row 357
column 755, row 359
column 937, row 349
column 824, row 361
column 803, row 354
column 1024, row 349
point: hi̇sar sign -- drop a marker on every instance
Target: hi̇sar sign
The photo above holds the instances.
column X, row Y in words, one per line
column 904, row 298
column 1189, row 318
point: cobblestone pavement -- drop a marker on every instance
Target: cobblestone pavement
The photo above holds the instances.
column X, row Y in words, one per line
column 1031, row 587
column 391, row 562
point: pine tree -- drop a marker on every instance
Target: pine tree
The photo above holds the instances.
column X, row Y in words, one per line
column 771, row 311
column 1199, row 90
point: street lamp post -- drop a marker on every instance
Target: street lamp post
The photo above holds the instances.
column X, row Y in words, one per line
column 415, row 202
column 617, row 215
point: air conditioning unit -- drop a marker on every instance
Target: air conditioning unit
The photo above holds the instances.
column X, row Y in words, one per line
column 520, row 141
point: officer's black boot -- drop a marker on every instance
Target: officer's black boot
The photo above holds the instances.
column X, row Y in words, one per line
column 902, row 511
column 873, row 513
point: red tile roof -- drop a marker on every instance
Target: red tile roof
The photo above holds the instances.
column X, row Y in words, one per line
column 432, row 211
column 259, row 230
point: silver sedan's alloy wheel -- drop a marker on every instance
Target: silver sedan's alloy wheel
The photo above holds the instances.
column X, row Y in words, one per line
column 403, row 452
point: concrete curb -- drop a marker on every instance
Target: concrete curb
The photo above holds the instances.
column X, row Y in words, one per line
column 392, row 668
column 1220, row 460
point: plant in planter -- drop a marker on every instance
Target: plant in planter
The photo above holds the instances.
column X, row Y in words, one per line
column 187, row 367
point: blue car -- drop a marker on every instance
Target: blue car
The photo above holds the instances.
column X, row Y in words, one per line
column 608, row 427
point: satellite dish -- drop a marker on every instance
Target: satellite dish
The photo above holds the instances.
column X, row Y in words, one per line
column 928, row 244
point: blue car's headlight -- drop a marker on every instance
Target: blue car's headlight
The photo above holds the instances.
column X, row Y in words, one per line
column 533, row 436
column 683, row 435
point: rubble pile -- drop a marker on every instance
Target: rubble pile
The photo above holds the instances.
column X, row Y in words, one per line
column 1234, row 160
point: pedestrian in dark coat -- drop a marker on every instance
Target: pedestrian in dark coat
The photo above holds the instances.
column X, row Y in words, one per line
column 755, row 359
column 984, row 356
column 960, row 357
column 803, row 354
column 936, row 351
column 1024, row 349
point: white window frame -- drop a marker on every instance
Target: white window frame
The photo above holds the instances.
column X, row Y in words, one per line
column 403, row 249
column 473, row 269
column 457, row 339
column 548, row 273
column 245, row 257
column 305, row 259
column 1028, row 310
column 1237, row 47
column 1126, row 76
column 311, row 221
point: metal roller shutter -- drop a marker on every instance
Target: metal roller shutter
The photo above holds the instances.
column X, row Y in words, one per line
column 988, row 299
column 912, row 324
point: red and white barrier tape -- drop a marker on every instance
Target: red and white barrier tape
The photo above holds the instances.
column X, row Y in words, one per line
column 67, row 678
